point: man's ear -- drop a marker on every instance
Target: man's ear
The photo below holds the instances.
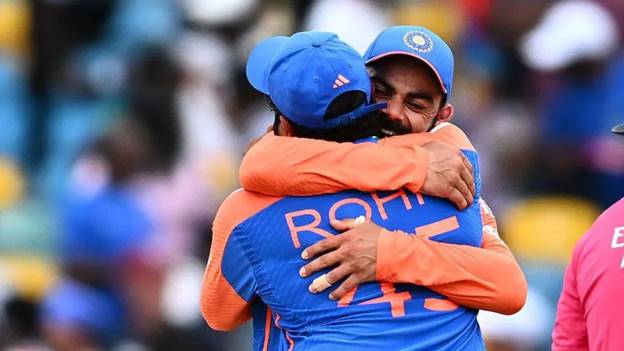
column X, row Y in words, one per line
column 285, row 127
column 446, row 113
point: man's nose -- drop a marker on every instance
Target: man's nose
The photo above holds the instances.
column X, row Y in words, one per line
column 394, row 110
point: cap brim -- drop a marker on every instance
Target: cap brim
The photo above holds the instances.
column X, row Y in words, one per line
column 348, row 118
column 619, row 129
column 392, row 53
column 260, row 61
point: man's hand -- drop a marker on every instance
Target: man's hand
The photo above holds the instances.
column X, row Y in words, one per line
column 450, row 175
column 354, row 253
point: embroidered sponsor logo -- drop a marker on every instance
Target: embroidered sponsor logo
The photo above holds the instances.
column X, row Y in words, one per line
column 340, row 81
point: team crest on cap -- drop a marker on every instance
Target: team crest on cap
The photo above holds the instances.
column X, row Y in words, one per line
column 418, row 41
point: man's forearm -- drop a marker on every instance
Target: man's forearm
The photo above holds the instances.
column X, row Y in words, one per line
column 487, row 278
column 296, row 166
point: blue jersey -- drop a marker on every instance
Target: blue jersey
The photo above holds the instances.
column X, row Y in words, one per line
column 255, row 262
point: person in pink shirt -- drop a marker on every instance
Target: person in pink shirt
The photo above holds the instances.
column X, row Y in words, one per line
column 590, row 315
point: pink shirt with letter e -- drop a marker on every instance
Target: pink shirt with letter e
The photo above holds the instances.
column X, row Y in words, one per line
column 590, row 315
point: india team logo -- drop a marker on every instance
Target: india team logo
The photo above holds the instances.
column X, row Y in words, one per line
column 418, row 41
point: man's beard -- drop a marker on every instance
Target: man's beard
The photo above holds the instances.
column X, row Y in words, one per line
column 390, row 127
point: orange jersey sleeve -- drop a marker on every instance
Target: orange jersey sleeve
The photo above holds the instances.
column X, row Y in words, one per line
column 298, row 166
column 220, row 304
column 487, row 278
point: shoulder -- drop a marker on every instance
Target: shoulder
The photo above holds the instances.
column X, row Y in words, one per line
column 239, row 206
column 453, row 135
column 613, row 215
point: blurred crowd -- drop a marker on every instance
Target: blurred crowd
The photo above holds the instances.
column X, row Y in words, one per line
column 122, row 123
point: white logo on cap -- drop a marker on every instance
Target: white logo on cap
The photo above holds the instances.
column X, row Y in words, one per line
column 418, row 41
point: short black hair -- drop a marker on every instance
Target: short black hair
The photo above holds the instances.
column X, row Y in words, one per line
column 365, row 126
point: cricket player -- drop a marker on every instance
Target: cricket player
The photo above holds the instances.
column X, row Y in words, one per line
column 412, row 71
column 590, row 314
column 320, row 88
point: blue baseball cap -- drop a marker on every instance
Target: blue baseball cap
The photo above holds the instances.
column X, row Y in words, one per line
column 304, row 73
column 418, row 42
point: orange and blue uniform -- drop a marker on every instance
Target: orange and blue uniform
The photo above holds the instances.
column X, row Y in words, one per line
column 486, row 278
column 435, row 265
column 255, row 261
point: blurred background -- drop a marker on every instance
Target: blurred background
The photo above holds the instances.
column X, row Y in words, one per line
column 122, row 123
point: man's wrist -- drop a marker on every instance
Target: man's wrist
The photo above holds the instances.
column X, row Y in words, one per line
column 393, row 250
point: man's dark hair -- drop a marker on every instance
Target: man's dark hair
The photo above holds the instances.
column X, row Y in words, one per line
column 363, row 127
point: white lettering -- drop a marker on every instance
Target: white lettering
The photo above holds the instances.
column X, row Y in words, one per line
column 622, row 264
column 617, row 234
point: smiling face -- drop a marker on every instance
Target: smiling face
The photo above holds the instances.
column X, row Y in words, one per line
column 413, row 93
